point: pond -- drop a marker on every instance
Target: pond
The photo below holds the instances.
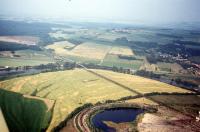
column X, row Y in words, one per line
column 116, row 115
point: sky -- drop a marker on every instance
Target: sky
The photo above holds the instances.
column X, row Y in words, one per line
column 146, row 11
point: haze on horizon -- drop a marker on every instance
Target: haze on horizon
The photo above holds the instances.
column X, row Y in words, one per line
column 144, row 11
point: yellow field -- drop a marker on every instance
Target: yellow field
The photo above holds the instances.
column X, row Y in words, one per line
column 61, row 47
column 74, row 88
column 91, row 50
column 141, row 101
column 3, row 125
column 86, row 50
column 121, row 50
column 140, row 84
column 70, row 89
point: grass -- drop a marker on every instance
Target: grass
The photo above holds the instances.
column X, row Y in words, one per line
column 169, row 67
column 178, row 99
column 114, row 60
column 82, row 59
column 121, row 50
column 141, row 84
column 85, row 50
column 60, row 47
column 104, row 35
column 91, row 50
column 27, row 57
column 141, row 101
column 73, row 88
column 188, row 104
column 24, row 114
column 6, row 61
column 70, row 89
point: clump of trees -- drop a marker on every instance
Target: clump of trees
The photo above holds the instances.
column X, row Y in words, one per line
column 185, row 83
column 122, row 40
column 7, row 46
column 148, row 74
column 75, row 41
column 128, row 57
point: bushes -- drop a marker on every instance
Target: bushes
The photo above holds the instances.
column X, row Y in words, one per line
column 152, row 94
column 148, row 74
column 185, row 83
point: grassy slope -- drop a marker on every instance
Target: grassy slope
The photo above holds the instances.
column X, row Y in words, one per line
column 24, row 114
column 73, row 88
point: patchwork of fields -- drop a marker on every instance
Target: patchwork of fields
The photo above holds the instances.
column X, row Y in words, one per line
column 106, row 55
column 86, row 50
column 74, row 88
column 105, row 46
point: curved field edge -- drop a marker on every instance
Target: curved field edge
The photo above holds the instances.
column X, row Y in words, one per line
column 24, row 113
column 73, row 88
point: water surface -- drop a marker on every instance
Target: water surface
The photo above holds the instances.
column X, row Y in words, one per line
column 119, row 115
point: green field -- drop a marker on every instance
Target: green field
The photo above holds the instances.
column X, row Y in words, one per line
column 114, row 60
column 27, row 58
column 74, row 88
column 170, row 67
column 21, row 62
column 24, row 114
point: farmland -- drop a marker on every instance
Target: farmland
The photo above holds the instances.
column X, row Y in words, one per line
column 28, row 113
column 22, row 62
column 74, row 88
column 167, row 55
column 121, row 51
column 86, row 50
column 114, row 60
column 28, row 40
column 24, row 58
